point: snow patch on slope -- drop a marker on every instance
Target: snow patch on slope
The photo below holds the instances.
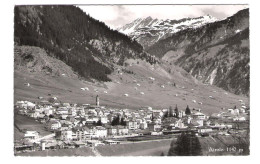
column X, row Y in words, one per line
column 212, row 76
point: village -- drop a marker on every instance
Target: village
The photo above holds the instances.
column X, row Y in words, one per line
column 85, row 125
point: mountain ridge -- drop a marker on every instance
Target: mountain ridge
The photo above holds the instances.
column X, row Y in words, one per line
column 224, row 44
column 148, row 31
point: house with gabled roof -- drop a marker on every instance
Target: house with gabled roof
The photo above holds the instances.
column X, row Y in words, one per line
column 121, row 130
column 111, row 130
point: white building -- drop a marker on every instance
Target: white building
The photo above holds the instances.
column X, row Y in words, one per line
column 31, row 135
column 48, row 111
column 62, row 110
column 131, row 125
column 199, row 115
column 242, row 110
column 239, row 118
column 122, row 130
column 197, row 122
column 236, row 111
column 55, row 125
column 231, row 111
column 154, row 127
column 143, row 125
column 181, row 114
column 205, row 130
column 179, row 124
column 103, row 119
column 66, row 135
column 100, row 132
column 72, row 111
column 112, row 131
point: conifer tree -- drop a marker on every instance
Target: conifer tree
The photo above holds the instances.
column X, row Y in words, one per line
column 176, row 112
column 99, row 123
column 123, row 122
column 187, row 144
column 187, row 111
column 166, row 114
column 115, row 121
column 170, row 113
column 152, row 117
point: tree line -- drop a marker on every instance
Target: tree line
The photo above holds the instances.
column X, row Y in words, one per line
column 175, row 112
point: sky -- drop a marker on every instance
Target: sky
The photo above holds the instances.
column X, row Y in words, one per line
column 118, row 15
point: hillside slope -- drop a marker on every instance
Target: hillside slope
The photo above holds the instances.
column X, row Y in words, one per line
column 145, row 85
column 36, row 61
column 217, row 53
column 88, row 46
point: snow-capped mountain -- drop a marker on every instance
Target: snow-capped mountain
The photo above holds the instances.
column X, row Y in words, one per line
column 148, row 31
column 217, row 53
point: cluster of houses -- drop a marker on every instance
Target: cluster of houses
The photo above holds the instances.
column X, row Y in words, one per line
column 74, row 125
column 233, row 114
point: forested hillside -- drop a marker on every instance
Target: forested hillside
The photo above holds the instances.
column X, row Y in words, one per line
column 67, row 33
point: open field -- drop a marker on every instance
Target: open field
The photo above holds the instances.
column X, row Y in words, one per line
column 23, row 123
column 61, row 152
column 150, row 148
column 156, row 148
column 147, row 148
column 221, row 143
column 144, row 148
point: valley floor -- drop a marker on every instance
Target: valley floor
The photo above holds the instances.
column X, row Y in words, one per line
column 149, row 148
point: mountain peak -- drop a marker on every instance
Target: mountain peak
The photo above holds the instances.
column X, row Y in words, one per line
column 136, row 24
column 148, row 18
column 161, row 28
